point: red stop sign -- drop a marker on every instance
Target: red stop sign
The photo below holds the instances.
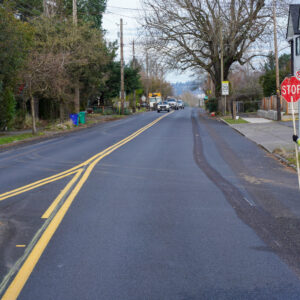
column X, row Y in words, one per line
column 290, row 89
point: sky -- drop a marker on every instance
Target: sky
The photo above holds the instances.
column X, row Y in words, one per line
column 130, row 12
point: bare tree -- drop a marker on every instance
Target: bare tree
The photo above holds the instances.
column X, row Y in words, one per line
column 191, row 34
column 45, row 75
column 190, row 99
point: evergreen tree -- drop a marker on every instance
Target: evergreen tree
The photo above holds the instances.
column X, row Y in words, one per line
column 268, row 80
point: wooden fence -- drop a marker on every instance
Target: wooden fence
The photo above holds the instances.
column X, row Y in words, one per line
column 270, row 103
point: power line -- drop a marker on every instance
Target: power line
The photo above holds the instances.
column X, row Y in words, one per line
column 125, row 16
column 124, row 8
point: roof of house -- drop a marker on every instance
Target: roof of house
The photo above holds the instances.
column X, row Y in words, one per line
column 294, row 16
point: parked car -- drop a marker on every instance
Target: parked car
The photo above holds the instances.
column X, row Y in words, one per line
column 180, row 104
column 163, row 106
column 173, row 103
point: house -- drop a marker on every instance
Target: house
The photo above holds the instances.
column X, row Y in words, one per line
column 293, row 36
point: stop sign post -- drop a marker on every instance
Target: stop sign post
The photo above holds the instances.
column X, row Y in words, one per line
column 290, row 91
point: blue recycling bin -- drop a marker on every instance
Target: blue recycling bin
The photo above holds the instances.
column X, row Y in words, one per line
column 74, row 118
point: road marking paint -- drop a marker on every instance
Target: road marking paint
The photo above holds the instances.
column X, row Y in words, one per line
column 71, row 171
column 24, row 189
column 33, row 257
column 51, row 208
column 20, row 246
column 249, row 202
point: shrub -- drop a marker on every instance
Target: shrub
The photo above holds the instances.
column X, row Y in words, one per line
column 211, row 105
column 251, row 106
column 7, row 108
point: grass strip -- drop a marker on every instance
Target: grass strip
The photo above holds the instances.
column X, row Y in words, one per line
column 18, row 137
column 231, row 121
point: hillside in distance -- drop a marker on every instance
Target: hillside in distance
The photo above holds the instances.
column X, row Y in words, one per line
column 180, row 88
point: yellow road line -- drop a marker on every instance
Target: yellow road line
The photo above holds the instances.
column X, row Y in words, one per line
column 71, row 171
column 51, row 208
column 22, row 276
column 20, row 246
column 26, row 189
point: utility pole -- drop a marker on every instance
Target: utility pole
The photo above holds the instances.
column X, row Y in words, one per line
column 147, row 75
column 276, row 63
column 75, row 12
column 222, row 69
column 45, row 8
column 122, row 66
column 77, row 90
column 133, row 65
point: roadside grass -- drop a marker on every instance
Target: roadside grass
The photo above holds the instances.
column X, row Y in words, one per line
column 48, row 128
column 290, row 155
column 229, row 120
column 57, row 126
column 98, row 118
column 289, row 119
column 19, row 137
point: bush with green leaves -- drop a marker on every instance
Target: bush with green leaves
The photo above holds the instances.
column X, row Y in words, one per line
column 7, row 107
column 211, row 105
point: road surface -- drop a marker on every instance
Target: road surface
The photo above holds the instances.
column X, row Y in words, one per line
column 155, row 206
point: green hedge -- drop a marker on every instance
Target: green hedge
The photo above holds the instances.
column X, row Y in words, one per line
column 211, row 105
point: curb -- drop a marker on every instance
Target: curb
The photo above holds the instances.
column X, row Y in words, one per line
column 279, row 157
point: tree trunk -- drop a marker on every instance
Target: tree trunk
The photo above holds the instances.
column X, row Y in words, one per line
column 36, row 109
column 61, row 111
column 77, row 98
column 233, row 109
column 33, row 114
column 216, row 78
column 134, row 102
column 23, row 110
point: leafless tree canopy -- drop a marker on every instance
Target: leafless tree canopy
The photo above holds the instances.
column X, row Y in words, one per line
column 190, row 33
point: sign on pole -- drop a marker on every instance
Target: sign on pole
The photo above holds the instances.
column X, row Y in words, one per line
column 225, row 88
column 290, row 91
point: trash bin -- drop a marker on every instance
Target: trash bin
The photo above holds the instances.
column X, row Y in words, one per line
column 82, row 117
column 74, row 118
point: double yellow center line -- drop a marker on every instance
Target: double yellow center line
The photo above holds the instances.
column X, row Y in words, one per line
column 54, row 213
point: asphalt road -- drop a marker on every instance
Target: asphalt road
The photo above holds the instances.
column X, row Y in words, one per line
column 183, row 209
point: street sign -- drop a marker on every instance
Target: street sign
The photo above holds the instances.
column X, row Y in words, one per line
column 225, row 88
column 290, row 89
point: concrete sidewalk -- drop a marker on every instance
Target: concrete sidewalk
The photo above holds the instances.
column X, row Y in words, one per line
column 268, row 134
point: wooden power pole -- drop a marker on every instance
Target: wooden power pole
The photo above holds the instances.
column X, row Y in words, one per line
column 134, row 66
column 276, row 63
column 122, row 66
column 45, row 8
column 76, row 88
column 222, row 69
column 147, row 77
column 75, row 12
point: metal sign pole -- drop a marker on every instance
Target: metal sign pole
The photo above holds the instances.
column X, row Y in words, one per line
column 296, row 145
